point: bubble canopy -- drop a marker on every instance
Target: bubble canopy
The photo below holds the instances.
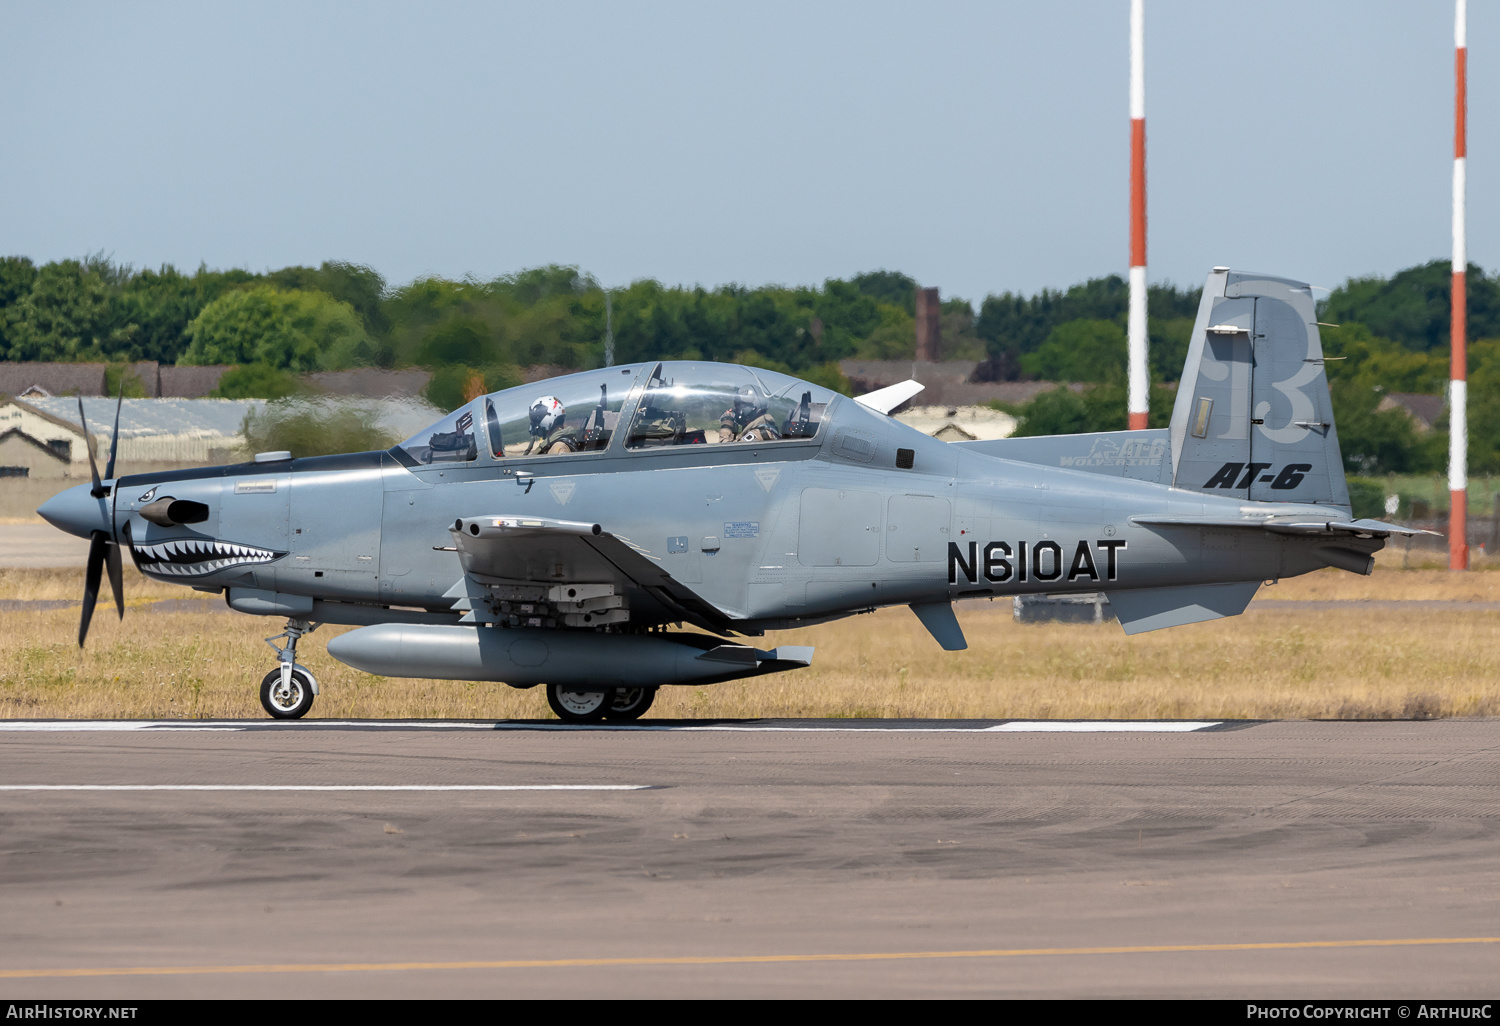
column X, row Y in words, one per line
column 694, row 403
column 683, row 403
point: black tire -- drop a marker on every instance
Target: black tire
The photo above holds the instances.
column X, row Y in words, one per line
column 291, row 704
column 631, row 703
column 573, row 704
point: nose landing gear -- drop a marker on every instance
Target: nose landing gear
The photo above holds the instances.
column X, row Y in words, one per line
column 287, row 692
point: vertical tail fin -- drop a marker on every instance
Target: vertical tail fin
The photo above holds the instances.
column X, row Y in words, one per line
column 1253, row 417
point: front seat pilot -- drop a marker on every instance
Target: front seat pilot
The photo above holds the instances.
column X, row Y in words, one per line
column 547, row 417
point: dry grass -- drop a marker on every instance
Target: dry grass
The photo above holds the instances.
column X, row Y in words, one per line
column 67, row 584
column 1432, row 582
column 1354, row 663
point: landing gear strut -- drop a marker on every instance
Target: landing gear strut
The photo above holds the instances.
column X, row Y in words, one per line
column 287, row 692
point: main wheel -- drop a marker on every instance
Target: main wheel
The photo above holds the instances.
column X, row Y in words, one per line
column 631, row 703
column 575, row 705
column 290, row 702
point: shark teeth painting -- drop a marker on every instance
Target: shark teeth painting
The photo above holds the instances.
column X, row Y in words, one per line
column 194, row 557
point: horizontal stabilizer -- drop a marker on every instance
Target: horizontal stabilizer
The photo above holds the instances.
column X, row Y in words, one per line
column 1373, row 528
column 1289, row 525
column 1136, row 455
column 1151, row 609
column 884, row 400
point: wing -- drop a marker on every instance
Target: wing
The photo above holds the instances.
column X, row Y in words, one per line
column 576, row 574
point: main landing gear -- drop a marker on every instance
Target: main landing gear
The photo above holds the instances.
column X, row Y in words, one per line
column 287, row 692
column 575, row 704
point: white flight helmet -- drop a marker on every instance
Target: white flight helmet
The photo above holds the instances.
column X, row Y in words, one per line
column 547, row 415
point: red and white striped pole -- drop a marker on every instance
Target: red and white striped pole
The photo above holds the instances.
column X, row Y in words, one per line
column 1458, row 404
column 1139, row 380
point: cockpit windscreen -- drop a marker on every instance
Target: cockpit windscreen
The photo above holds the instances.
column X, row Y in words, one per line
column 554, row 417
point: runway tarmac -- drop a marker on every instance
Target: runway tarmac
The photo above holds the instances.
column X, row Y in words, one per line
column 769, row 858
column 38, row 545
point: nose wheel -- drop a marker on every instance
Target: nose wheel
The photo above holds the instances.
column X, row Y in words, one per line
column 287, row 692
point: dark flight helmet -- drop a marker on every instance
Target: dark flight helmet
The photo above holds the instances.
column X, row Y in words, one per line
column 749, row 405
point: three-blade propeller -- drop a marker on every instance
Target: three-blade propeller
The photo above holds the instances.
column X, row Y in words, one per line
column 104, row 551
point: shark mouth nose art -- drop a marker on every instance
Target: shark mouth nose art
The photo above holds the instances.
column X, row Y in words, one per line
column 191, row 558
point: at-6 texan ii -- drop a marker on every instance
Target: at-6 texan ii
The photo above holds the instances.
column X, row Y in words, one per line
column 550, row 534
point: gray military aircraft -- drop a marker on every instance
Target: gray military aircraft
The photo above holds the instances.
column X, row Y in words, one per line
column 550, row 534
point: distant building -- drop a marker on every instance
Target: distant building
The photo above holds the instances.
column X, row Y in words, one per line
column 43, row 380
column 187, row 382
column 372, row 382
column 1424, row 410
column 948, row 383
column 960, row 423
column 166, row 381
column 36, row 444
column 42, row 438
column 154, row 431
column 50, row 380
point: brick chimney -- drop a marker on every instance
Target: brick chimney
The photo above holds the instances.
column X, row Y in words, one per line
column 929, row 328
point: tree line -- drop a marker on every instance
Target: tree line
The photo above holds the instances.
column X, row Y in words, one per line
column 282, row 323
column 1391, row 335
column 1386, row 335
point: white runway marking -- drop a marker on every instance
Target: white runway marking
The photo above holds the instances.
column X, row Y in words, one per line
column 111, row 725
column 324, row 787
column 220, row 725
column 1103, row 726
column 1009, row 727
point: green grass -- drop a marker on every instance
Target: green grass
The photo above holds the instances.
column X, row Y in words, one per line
column 1432, row 489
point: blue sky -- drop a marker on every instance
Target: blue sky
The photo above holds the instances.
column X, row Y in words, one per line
column 980, row 147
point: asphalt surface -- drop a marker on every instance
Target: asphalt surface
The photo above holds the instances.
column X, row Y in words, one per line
column 39, row 545
column 787, row 858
